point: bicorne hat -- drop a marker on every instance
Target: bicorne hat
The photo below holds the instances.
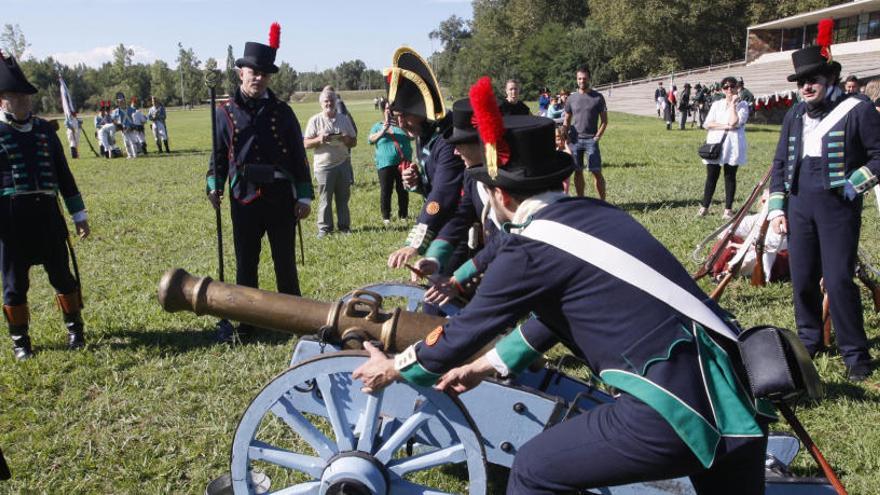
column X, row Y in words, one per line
column 462, row 129
column 12, row 79
column 815, row 59
column 261, row 57
column 412, row 86
column 533, row 163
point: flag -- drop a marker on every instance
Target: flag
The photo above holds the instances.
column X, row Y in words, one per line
column 66, row 99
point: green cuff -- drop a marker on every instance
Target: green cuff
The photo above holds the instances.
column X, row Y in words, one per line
column 441, row 251
column 418, row 375
column 515, row 351
column 466, row 271
column 863, row 179
column 304, row 190
column 211, row 184
column 776, row 201
column 74, row 204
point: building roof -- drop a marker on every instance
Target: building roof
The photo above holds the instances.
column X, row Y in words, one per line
column 838, row 11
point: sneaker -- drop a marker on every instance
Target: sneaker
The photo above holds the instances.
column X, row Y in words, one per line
column 702, row 211
column 727, row 215
column 386, row 222
column 322, row 234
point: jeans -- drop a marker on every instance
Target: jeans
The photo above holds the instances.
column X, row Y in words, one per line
column 589, row 147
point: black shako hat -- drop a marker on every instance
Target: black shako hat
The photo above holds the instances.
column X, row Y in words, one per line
column 261, row 57
column 462, row 129
column 12, row 79
column 412, row 86
column 534, row 164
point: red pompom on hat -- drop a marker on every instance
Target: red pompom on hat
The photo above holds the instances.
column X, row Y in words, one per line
column 490, row 124
column 275, row 35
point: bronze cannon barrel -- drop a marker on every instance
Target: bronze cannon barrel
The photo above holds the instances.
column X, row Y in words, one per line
column 349, row 322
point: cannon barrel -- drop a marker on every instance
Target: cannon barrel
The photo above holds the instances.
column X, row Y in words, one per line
column 351, row 321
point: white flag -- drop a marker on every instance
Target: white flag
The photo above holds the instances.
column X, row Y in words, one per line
column 66, row 100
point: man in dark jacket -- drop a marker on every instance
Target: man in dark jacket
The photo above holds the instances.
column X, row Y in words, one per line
column 260, row 151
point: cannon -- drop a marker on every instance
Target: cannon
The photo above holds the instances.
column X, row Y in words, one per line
column 311, row 430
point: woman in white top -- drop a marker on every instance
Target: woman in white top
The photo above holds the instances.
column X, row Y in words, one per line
column 726, row 121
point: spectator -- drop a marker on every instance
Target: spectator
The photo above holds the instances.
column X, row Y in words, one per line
column 583, row 112
column 726, row 123
column 562, row 146
column 684, row 104
column 512, row 105
column 543, row 102
column 555, row 110
column 392, row 147
column 744, row 94
column 872, row 91
column 669, row 111
column 331, row 135
column 852, row 85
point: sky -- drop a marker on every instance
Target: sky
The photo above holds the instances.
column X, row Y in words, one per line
column 315, row 34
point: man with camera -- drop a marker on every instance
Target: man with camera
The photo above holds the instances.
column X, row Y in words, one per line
column 260, row 151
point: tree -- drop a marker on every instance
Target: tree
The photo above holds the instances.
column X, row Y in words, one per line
column 162, row 81
column 284, row 82
column 122, row 57
column 13, row 41
column 190, row 75
column 348, row 74
column 231, row 80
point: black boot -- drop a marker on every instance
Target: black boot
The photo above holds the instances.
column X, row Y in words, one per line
column 71, row 304
column 159, row 145
column 18, row 317
column 166, row 147
column 73, row 152
column 144, row 147
column 21, row 342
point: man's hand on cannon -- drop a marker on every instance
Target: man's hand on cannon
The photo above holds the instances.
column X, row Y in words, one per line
column 215, row 197
column 401, row 257
column 82, row 229
column 464, row 378
column 302, row 210
column 378, row 372
column 442, row 290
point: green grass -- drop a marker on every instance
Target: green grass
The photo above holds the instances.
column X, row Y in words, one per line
column 151, row 405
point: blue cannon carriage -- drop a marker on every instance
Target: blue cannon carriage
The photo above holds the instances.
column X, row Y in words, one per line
column 311, row 430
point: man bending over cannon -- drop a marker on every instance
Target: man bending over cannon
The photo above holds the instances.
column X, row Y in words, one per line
column 682, row 408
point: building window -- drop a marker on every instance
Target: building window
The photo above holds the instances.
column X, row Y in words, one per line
column 812, row 30
column 846, row 29
column 792, row 39
column 873, row 26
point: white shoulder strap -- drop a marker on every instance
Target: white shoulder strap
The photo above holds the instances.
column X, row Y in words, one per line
column 628, row 268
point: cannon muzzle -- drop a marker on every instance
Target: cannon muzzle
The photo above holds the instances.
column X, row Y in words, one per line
column 356, row 318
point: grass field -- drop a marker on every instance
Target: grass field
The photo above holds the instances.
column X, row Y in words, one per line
column 151, row 405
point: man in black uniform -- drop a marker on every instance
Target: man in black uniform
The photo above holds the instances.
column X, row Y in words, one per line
column 32, row 231
column 415, row 99
column 260, row 150
column 827, row 157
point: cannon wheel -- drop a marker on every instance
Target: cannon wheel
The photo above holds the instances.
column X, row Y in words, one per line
column 411, row 293
column 364, row 453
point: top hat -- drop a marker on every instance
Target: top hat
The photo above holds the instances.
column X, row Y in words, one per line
column 412, row 86
column 810, row 61
column 12, row 79
column 462, row 129
column 261, row 57
column 533, row 163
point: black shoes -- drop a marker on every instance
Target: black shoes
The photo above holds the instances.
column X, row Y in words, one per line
column 21, row 347
column 858, row 373
column 75, row 339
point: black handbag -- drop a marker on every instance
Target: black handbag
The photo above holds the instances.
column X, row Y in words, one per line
column 712, row 151
column 778, row 366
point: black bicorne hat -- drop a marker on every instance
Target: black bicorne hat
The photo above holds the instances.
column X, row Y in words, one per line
column 534, row 163
column 12, row 79
column 462, row 129
column 412, row 86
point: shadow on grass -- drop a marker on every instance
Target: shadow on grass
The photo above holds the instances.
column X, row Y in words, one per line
column 181, row 341
column 625, row 164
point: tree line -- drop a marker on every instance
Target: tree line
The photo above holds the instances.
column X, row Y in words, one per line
column 183, row 85
column 541, row 42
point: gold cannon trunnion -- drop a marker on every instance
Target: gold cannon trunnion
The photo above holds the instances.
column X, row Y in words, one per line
column 355, row 318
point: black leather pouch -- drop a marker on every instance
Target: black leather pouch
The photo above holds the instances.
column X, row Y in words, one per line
column 259, row 173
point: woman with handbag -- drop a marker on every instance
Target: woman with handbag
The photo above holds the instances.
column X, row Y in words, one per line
column 393, row 148
column 725, row 145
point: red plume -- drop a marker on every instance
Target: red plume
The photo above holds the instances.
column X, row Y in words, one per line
column 488, row 119
column 825, row 36
column 275, row 35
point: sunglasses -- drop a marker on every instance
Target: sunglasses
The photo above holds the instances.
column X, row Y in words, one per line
column 808, row 80
column 727, row 86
